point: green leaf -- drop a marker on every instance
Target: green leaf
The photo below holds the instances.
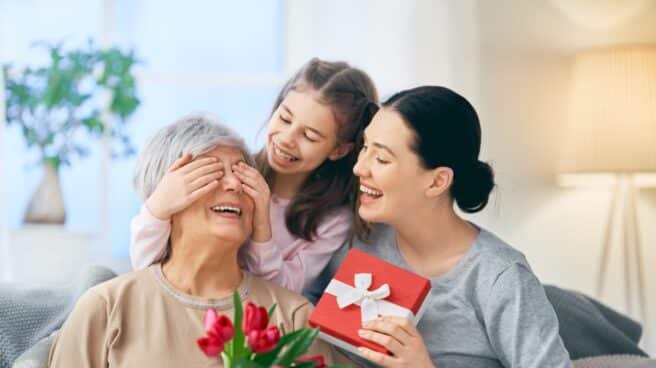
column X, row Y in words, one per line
column 272, row 308
column 31, row 138
column 94, row 124
column 50, row 138
column 267, row 358
column 242, row 362
column 239, row 348
column 298, row 347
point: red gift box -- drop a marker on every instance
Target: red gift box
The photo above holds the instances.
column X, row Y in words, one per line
column 383, row 289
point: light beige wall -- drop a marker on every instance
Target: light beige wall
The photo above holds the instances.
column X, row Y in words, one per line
column 511, row 58
column 525, row 55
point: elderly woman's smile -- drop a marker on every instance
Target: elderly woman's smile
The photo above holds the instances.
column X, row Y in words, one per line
column 229, row 210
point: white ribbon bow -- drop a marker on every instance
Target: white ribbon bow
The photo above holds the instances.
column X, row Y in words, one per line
column 368, row 300
column 372, row 303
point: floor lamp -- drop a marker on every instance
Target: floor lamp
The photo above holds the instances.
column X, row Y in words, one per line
column 611, row 133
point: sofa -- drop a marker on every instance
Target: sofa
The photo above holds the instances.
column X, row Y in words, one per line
column 595, row 335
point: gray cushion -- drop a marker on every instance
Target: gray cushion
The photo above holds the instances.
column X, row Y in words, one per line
column 591, row 329
column 615, row 361
column 28, row 314
column 37, row 355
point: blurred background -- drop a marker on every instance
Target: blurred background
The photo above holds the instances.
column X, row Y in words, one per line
column 565, row 90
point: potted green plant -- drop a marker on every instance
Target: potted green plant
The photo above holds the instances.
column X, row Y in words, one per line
column 80, row 93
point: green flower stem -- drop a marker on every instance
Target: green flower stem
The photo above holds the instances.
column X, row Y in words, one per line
column 227, row 360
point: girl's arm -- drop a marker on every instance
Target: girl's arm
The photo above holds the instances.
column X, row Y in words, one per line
column 299, row 269
column 148, row 238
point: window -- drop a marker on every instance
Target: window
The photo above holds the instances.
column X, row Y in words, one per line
column 224, row 57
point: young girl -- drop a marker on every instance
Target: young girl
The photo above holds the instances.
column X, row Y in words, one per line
column 307, row 162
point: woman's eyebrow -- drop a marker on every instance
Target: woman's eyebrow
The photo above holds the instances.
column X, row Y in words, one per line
column 284, row 107
column 384, row 147
column 378, row 145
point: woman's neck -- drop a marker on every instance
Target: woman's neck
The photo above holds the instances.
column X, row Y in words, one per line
column 210, row 271
column 287, row 185
column 434, row 239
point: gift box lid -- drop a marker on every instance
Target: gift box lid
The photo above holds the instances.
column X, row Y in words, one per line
column 407, row 290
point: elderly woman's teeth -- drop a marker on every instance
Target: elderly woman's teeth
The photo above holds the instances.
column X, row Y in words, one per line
column 228, row 209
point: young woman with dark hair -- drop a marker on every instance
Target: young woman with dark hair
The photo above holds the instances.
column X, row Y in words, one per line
column 486, row 307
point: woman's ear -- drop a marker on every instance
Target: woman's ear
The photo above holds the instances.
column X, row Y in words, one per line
column 442, row 178
column 341, row 151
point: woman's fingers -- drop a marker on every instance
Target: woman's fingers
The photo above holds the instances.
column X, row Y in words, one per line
column 253, row 193
column 247, row 170
column 391, row 343
column 250, row 172
column 185, row 159
column 204, row 180
column 400, row 337
column 378, row 358
column 248, row 180
column 204, row 170
column 203, row 190
column 193, row 165
column 393, row 326
column 256, row 182
column 403, row 323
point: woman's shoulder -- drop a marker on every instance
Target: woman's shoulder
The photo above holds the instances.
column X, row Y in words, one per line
column 496, row 263
column 132, row 282
column 496, row 253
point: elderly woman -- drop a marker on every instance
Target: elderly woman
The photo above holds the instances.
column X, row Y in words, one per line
column 152, row 317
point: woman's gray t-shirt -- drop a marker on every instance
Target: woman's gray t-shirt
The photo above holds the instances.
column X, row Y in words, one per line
column 488, row 311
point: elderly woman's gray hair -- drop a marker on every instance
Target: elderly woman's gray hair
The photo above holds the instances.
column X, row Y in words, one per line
column 196, row 134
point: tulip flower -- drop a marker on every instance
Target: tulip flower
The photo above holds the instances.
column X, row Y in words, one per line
column 262, row 341
column 219, row 330
column 255, row 318
column 211, row 345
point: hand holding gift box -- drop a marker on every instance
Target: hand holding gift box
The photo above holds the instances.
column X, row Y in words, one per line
column 364, row 288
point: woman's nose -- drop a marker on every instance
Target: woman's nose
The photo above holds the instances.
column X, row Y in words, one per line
column 231, row 183
column 359, row 169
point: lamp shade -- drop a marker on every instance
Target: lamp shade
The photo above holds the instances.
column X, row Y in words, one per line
column 611, row 119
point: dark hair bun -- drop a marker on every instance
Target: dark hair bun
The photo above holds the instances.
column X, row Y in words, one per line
column 472, row 186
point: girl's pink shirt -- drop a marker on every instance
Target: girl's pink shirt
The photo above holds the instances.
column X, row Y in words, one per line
column 286, row 259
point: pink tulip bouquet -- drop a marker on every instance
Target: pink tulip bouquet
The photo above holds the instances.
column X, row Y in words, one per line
column 250, row 342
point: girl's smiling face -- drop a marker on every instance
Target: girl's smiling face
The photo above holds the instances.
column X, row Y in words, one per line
column 302, row 134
